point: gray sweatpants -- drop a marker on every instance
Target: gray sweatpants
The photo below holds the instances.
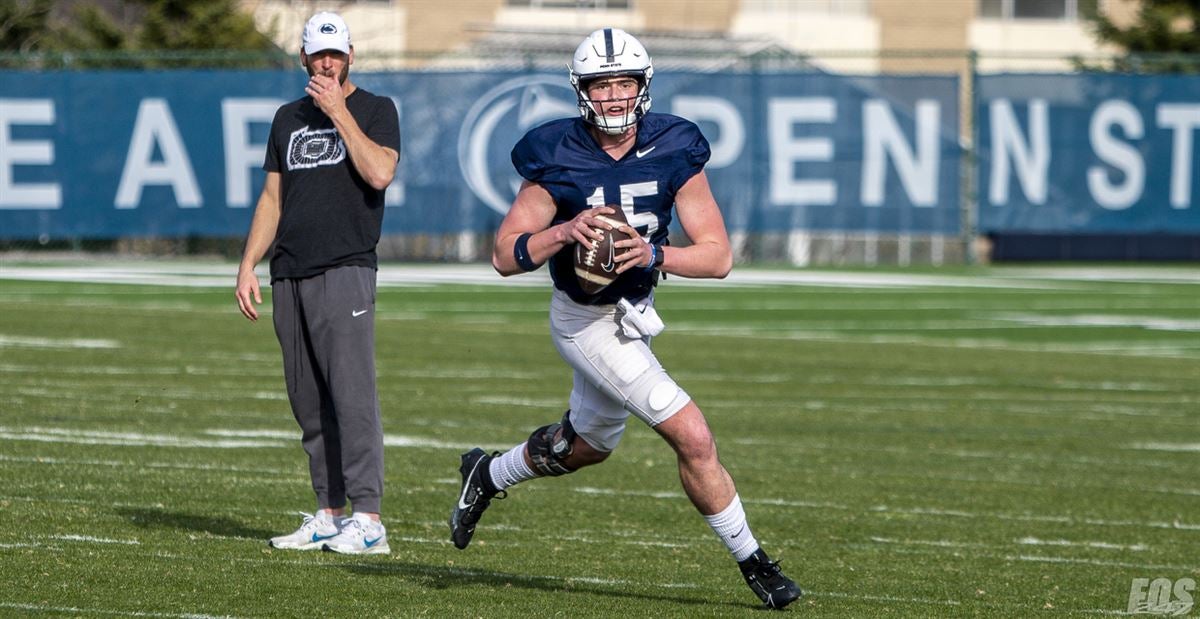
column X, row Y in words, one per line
column 326, row 328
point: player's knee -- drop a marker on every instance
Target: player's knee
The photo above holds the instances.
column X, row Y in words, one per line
column 692, row 440
column 551, row 448
column 698, row 448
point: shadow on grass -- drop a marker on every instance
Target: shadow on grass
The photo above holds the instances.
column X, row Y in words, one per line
column 150, row 518
column 439, row 577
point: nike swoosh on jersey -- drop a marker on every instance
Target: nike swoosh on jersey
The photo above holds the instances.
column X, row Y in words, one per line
column 358, row 313
column 643, row 153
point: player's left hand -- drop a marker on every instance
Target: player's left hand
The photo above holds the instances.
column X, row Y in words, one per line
column 326, row 93
column 637, row 251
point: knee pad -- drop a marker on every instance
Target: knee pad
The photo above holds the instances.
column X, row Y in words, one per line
column 548, row 452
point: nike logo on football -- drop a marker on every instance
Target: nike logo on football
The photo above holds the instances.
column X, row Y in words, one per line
column 358, row 313
column 643, row 153
column 610, row 263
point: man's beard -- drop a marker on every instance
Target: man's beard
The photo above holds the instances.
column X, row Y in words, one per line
column 341, row 78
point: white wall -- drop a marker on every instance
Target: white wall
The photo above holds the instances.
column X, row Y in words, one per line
column 1029, row 45
column 568, row 19
column 850, row 39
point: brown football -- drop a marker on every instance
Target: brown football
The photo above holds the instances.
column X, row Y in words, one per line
column 596, row 267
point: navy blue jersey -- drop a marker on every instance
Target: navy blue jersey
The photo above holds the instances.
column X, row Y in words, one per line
column 564, row 158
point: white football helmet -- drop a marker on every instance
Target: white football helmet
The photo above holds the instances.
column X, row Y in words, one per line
column 611, row 52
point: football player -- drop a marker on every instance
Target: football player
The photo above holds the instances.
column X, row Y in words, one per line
column 616, row 154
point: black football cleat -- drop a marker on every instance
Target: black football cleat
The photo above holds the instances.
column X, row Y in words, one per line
column 767, row 581
column 477, row 493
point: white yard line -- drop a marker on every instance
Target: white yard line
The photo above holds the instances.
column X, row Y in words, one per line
column 229, row 439
column 77, row 610
column 222, row 275
column 941, row 543
column 883, row 598
column 92, row 540
column 919, row 511
column 1175, row 447
column 16, row 341
column 1152, row 323
column 1127, row 274
column 1121, row 348
column 389, row 440
column 51, row 460
column 959, row 556
column 129, row 439
column 607, row 491
column 1122, row 564
column 1033, row 541
column 514, row 401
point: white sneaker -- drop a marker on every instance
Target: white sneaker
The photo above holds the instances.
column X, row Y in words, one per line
column 311, row 535
column 360, row 536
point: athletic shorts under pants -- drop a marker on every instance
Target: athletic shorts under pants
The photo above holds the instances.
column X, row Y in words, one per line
column 326, row 328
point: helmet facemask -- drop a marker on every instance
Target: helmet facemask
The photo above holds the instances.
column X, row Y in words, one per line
column 635, row 106
column 610, row 53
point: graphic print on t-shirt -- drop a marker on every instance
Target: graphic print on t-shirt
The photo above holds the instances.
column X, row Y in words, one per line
column 311, row 148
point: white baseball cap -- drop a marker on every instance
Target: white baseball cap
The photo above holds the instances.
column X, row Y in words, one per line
column 326, row 31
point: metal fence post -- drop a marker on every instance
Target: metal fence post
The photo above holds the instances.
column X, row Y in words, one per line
column 970, row 176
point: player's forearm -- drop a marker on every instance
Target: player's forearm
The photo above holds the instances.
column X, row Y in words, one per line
column 540, row 247
column 701, row 260
column 262, row 233
column 374, row 163
column 256, row 247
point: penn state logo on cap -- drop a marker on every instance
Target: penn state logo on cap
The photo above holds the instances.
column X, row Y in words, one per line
column 326, row 31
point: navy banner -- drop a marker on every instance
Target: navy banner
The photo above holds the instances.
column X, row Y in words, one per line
column 1088, row 153
column 109, row 154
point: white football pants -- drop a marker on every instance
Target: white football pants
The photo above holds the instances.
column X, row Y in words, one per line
column 614, row 375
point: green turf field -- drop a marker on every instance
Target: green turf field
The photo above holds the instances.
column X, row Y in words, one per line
column 988, row 442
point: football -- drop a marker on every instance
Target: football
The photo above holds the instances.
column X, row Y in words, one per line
column 596, row 267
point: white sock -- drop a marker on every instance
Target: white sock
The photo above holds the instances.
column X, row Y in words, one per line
column 510, row 468
column 730, row 525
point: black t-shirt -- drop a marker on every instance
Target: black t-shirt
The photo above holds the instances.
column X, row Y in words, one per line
column 330, row 216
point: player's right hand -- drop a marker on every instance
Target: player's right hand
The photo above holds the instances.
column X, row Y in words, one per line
column 585, row 228
column 248, row 294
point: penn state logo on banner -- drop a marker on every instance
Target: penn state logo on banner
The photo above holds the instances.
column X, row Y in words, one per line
column 496, row 122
